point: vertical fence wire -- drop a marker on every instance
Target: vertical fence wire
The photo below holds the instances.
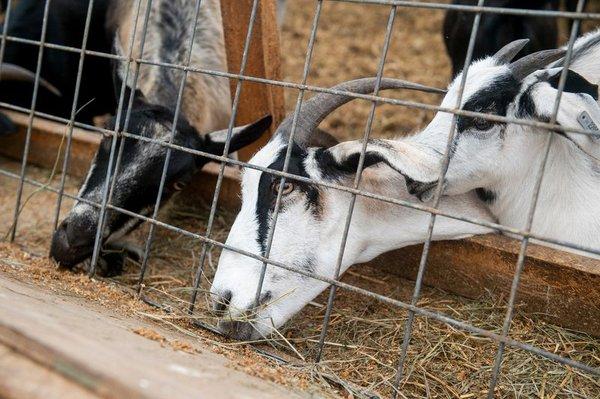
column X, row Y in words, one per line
column 115, row 135
column 288, row 153
column 4, row 33
column 65, row 166
column 163, row 176
column 215, row 200
column 356, row 183
column 408, row 327
column 36, row 86
column 533, row 205
column 134, row 84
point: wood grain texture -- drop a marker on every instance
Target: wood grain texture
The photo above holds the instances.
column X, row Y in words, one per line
column 95, row 348
column 264, row 61
column 47, row 140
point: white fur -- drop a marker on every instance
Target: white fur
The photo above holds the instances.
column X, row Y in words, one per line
column 301, row 237
column 506, row 162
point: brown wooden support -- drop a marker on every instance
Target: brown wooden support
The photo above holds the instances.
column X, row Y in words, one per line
column 264, row 61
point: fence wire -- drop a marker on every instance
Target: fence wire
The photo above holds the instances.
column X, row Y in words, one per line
column 125, row 106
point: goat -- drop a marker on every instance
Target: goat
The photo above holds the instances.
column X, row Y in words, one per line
column 497, row 30
column 500, row 160
column 206, row 107
column 310, row 222
column 65, row 26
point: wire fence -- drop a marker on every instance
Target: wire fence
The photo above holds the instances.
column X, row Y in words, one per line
column 123, row 114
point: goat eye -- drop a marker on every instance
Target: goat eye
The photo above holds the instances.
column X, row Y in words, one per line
column 287, row 187
column 483, row 124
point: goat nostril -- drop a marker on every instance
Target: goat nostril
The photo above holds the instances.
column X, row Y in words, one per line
column 265, row 297
column 222, row 302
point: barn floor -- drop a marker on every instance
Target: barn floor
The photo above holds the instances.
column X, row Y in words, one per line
column 364, row 339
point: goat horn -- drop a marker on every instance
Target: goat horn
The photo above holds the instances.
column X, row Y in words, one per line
column 509, row 51
column 17, row 73
column 317, row 108
column 525, row 66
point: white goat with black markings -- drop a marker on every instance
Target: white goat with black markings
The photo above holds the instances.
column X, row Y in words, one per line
column 311, row 219
column 501, row 160
column 206, row 107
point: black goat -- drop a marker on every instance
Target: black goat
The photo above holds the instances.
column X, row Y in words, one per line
column 66, row 22
column 496, row 30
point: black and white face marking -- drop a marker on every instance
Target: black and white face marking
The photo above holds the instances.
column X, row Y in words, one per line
column 297, row 242
column 293, row 192
column 307, row 236
column 136, row 184
column 481, row 150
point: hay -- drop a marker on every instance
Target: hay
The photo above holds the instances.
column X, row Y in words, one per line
column 362, row 346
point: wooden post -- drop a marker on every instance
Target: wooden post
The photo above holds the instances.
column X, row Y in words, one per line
column 263, row 61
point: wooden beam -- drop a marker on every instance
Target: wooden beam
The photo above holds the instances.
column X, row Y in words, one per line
column 47, row 140
column 559, row 287
column 556, row 286
column 98, row 350
column 264, row 61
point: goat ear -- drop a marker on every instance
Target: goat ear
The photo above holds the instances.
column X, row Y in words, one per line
column 419, row 164
column 241, row 136
column 575, row 83
column 6, row 125
column 578, row 109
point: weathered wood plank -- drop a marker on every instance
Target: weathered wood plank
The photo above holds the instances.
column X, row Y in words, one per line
column 559, row 287
column 24, row 378
column 264, row 61
column 47, row 140
column 98, row 350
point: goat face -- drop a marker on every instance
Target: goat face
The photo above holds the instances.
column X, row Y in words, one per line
column 297, row 241
column 308, row 233
column 136, row 184
column 483, row 152
column 310, row 225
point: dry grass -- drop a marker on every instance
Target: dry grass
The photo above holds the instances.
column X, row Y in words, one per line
column 365, row 336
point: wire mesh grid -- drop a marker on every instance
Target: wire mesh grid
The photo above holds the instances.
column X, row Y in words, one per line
column 125, row 106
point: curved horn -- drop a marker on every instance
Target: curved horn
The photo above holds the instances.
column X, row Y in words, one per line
column 314, row 110
column 18, row 73
column 525, row 66
column 509, row 51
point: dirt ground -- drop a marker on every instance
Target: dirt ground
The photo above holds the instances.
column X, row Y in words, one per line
column 365, row 336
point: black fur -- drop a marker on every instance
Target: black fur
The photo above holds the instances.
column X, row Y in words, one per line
column 526, row 106
column 485, row 195
column 332, row 170
column 66, row 21
column 575, row 83
column 496, row 30
column 492, row 99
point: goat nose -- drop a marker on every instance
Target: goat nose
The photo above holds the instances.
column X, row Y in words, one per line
column 72, row 242
column 221, row 303
column 79, row 232
column 239, row 330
